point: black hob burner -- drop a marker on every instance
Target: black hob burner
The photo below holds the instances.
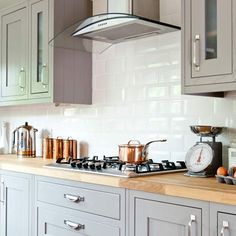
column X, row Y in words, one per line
column 112, row 165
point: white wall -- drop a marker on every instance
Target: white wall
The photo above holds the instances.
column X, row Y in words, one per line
column 136, row 95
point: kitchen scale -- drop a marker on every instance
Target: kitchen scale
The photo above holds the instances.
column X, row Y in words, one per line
column 205, row 157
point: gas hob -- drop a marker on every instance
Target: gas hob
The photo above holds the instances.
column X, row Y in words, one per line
column 112, row 166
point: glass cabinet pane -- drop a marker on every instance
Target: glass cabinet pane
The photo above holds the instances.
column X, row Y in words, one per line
column 40, row 47
column 211, row 28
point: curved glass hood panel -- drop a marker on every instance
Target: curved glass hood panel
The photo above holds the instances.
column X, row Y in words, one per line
column 108, row 29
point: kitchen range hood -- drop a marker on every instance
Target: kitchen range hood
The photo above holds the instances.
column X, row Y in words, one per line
column 117, row 27
column 99, row 32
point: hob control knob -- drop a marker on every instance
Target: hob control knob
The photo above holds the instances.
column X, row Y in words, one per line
column 99, row 167
column 85, row 165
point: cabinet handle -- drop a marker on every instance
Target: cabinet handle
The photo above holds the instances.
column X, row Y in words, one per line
column 22, row 78
column 224, row 227
column 2, row 191
column 73, row 198
column 74, row 226
column 44, row 75
column 196, row 52
column 192, row 219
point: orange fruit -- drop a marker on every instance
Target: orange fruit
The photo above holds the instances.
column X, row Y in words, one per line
column 222, row 171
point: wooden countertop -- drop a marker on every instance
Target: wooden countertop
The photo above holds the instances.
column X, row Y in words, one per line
column 176, row 184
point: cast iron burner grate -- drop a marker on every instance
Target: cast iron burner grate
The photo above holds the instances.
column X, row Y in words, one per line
column 111, row 165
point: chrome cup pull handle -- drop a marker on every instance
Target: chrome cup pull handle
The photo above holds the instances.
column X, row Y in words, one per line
column 190, row 224
column 224, row 227
column 73, row 198
column 196, row 52
column 73, row 225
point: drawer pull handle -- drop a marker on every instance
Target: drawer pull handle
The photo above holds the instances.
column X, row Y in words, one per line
column 74, row 226
column 224, row 227
column 196, row 52
column 73, row 198
column 192, row 219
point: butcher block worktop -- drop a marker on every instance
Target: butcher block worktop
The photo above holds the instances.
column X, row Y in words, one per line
column 176, row 184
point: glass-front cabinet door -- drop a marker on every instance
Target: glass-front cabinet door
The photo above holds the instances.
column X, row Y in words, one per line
column 39, row 47
column 209, row 40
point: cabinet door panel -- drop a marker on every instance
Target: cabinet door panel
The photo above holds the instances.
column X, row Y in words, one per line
column 14, row 206
column 226, row 224
column 39, row 47
column 55, row 221
column 13, row 48
column 156, row 218
column 211, row 36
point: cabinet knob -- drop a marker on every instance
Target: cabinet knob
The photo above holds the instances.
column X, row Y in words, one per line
column 224, row 227
column 73, row 225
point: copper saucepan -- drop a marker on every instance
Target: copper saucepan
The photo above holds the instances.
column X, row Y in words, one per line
column 134, row 152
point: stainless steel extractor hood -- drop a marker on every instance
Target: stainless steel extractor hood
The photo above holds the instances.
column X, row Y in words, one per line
column 124, row 20
column 117, row 27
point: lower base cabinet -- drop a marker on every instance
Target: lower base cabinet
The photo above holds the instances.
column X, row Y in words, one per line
column 152, row 218
column 223, row 220
column 16, row 205
column 58, row 221
column 69, row 208
column 40, row 206
column 154, row 214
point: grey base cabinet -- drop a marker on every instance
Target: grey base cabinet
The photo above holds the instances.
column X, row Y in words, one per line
column 223, row 220
column 16, row 205
column 72, row 208
column 153, row 215
column 59, row 221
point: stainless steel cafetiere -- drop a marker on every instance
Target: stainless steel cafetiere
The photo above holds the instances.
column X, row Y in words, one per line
column 24, row 141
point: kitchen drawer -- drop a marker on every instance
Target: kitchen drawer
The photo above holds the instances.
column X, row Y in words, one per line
column 100, row 203
column 58, row 221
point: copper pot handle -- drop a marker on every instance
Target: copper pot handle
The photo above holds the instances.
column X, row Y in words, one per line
column 137, row 142
column 144, row 151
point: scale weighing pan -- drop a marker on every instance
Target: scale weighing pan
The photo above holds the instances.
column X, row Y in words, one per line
column 205, row 130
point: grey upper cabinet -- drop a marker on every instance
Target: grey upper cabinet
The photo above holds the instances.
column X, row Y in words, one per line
column 15, row 206
column 32, row 69
column 39, row 37
column 208, row 53
column 14, row 54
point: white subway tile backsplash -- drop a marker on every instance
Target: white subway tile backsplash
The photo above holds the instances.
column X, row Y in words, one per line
column 136, row 95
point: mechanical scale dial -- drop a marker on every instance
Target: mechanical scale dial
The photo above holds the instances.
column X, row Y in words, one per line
column 199, row 157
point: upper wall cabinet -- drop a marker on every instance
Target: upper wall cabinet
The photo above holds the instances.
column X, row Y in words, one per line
column 39, row 47
column 14, row 54
column 208, row 54
column 32, row 71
